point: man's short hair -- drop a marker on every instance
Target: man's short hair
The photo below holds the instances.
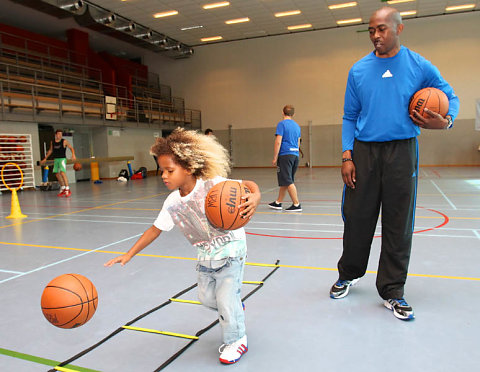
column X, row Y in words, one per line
column 208, row 131
column 289, row 110
column 58, row 130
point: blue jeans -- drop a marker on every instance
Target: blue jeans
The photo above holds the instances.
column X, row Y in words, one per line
column 219, row 289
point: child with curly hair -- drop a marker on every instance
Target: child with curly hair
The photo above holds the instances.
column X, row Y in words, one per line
column 191, row 163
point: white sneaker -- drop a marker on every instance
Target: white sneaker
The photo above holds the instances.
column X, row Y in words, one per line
column 232, row 353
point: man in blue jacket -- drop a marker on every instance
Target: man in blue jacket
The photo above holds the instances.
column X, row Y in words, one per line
column 380, row 158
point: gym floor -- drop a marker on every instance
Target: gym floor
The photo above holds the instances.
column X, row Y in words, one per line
column 292, row 324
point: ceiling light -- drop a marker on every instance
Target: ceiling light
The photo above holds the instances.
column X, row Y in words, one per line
column 344, row 5
column 398, row 1
column 348, row 21
column 216, row 5
column 165, row 14
column 289, row 13
column 238, row 20
column 212, row 38
column 408, row 13
column 459, row 7
column 190, row 28
column 298, row 27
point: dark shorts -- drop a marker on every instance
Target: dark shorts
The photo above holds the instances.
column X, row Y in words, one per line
column 286, row 167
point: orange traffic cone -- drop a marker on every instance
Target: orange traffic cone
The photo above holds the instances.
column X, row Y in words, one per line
column 16, row 212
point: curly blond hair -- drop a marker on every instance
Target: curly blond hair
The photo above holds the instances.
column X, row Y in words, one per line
column 202, row 155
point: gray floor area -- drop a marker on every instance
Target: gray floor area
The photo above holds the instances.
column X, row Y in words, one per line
column 292, row 324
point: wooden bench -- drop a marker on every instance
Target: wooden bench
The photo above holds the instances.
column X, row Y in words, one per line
column 68, row 105
column 42, row 66
column 164, row 116
column 19, row 100
column 73, row 89
column 153, row 103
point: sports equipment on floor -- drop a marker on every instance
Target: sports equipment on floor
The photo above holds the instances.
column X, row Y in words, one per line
column 69, row 301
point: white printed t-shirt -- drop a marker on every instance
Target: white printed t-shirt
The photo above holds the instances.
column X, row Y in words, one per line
column 188, row 213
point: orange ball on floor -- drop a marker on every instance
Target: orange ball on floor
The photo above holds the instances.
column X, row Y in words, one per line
column 69, row 301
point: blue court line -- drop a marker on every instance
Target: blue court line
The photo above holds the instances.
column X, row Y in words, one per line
column 67, row 259
column 10, row 272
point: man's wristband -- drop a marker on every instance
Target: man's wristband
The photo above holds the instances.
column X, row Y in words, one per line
column 449, row 122
column 346, row 159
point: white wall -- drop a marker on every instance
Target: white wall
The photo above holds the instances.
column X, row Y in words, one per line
column 114, row 142
column 246, row 83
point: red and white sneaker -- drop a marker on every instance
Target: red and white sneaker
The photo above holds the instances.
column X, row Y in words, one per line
column 61, row 193
column 67, row 193
column 232, row 353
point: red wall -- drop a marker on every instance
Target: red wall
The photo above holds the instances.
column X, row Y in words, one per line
column 114, row 70
column 23, row 39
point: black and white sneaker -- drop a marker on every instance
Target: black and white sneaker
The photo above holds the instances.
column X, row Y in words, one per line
column 341, row 287
column 400, row 308
column 294, row 208
column 275, row 205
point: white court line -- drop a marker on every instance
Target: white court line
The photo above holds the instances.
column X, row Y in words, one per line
column 443, row 194
column 294, row 223
column 90, row 215
column 10, row 272
column 102, row 221
column 269, row 190
column 275, row 223
column 252, row 223
column 377, row 232
column 476, row 234
column 67, row 259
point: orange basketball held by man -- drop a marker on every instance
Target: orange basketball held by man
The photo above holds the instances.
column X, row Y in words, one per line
column 428, row 109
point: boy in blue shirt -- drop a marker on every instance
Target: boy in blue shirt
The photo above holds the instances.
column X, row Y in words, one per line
column 285, row 157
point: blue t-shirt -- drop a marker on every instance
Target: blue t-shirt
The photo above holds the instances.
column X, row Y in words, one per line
column 378, row 94
column 290, row 132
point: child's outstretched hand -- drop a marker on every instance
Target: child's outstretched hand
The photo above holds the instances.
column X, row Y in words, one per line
column 251, row 200
column 122, row 260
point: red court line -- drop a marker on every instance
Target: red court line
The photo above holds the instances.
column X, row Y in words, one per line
column 445, row 221
column 436, row 173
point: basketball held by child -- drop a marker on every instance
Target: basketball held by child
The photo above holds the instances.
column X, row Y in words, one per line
column 221, row 205
column 69, row 301
column 431, row 98
column 77, row 167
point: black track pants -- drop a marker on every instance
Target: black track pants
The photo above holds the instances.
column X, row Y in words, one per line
column 386, row 178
